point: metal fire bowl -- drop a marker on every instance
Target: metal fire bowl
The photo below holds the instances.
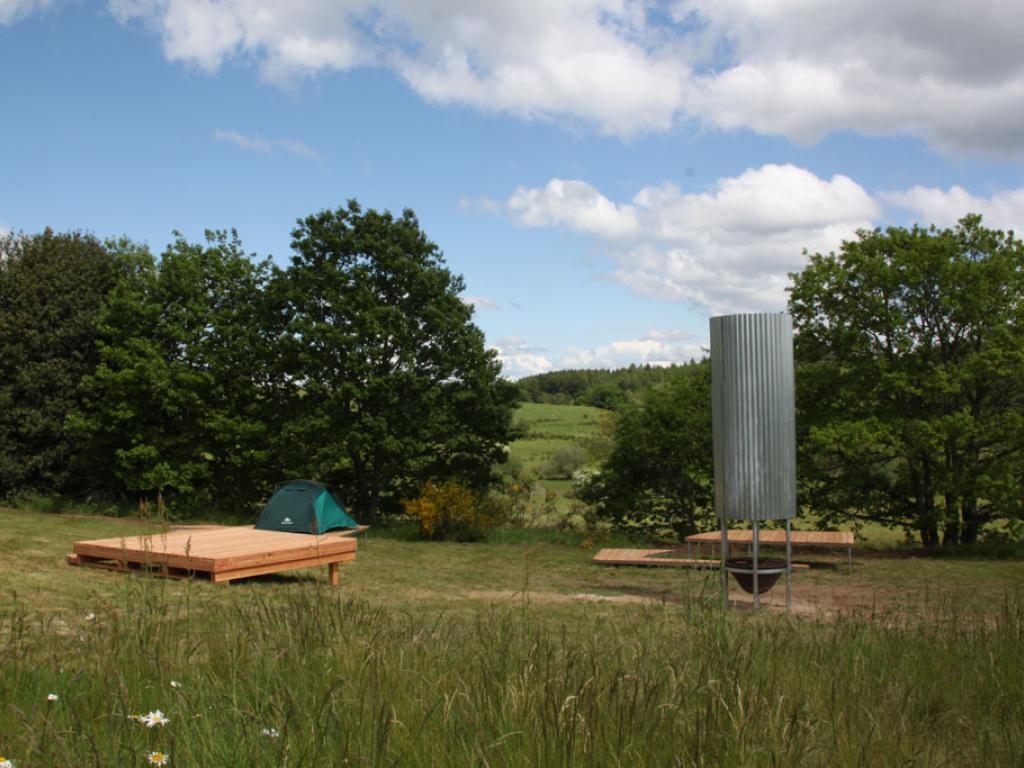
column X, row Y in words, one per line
column 769, row 571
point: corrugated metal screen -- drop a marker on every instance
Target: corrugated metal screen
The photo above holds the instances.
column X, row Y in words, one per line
column 753, row 416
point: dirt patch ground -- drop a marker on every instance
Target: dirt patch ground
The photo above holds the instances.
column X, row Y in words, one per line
column 510, row 596
column 810, row 601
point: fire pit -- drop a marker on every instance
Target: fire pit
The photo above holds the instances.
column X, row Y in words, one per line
column 769, row 571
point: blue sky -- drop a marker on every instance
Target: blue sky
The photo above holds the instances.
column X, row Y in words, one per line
column 605, row 174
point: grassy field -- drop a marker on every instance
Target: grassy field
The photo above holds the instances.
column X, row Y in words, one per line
column 504, row 654
column 550, row 427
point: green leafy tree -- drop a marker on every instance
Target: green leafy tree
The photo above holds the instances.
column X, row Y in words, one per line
column 52, row 287
column 606, row 395
column 390, row 382
column 566, row 460
column 178, row 403
column 659, row 474
column 611, row 390
column 910, row 353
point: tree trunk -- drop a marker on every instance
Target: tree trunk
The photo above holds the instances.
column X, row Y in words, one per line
column 372, row 508
column 927, row 519
column 951, row 530
column 951, row 533
column 972, row 522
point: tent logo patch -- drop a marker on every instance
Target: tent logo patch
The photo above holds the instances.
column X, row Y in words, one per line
column 286, row 521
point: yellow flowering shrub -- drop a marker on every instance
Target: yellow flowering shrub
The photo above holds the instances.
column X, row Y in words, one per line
column 449, row 511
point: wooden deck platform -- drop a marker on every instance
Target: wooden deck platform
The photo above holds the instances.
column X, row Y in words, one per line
column 224, row 553
column 841, row 539
column 798, row 538
column 658, row 558
column 650, row 557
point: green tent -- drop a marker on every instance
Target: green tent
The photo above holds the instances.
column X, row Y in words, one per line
column 304, row 506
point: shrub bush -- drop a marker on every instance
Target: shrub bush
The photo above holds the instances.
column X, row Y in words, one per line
column 566, row 460
column 450, row 511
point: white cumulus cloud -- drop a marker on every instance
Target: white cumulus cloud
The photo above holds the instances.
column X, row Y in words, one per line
column 596, row 60
column 944, row 207
column 573, row 204
column 728, row 249
column 519, row 359
column 948, row 71
column 481, row 302
column 660, row 348
column 655, row 348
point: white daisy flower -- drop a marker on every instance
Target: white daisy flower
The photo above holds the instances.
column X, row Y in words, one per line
column 90, row 616
column 152, row 719
column 270, row 733
column 5, row 763
column 175, row 684
column 155, row 758
column 51, row 697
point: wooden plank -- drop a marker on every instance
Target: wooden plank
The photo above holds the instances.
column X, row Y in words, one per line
column 656, row 558
column 124, row 567
column 252, row 559
column 340, row 532
column 142, row 555
column 798, row 538
column 648, row 557
column 261, row 570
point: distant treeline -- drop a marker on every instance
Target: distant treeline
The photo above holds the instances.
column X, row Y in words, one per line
column 600, row 388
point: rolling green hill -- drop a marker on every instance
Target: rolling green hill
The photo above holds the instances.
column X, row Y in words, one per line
column 551, row 428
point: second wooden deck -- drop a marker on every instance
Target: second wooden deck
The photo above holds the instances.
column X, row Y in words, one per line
column 658, row 558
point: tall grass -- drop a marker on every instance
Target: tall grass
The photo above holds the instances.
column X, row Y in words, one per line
column 345, row 683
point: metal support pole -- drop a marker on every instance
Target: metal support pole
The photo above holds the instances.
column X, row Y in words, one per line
column 789, row 568
column 757, row 592
column 725, row 556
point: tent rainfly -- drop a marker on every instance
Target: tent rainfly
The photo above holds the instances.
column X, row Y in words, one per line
column 304, row 506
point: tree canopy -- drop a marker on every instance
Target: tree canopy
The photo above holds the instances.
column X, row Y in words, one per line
column 390, row 383
column 207, row 376
column 910, row 354
column 612, row 390
column 174, row 405
column 659, row 474
column 52, row 289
